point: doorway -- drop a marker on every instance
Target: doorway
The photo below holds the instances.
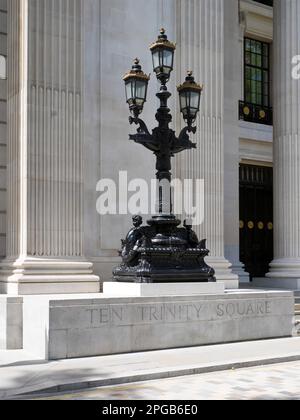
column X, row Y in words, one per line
column 256, row 219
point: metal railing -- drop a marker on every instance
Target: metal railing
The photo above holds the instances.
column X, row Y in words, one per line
column 255, row 113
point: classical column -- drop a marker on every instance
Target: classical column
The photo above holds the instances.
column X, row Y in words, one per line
column 232, row 76
column 201, row 48
column 45, row 200
column 285, row 269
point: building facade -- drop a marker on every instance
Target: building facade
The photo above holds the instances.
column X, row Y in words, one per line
column 64, row 125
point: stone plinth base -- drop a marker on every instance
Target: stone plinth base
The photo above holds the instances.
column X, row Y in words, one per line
column 11, row 325
column 39, row 276
column 287, row 283
column 65, row 327
column 161, row 289
column 223, row 272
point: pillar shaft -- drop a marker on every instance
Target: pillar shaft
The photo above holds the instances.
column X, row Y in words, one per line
column 45, row 200
column 286, row 265
column 201, row 48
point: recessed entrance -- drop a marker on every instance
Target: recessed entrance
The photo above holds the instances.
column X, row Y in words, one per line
column 256, row 219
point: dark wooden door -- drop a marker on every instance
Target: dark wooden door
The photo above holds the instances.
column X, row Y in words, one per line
column 256, row 219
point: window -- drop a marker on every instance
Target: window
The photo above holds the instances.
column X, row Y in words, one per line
column 2, row 67
column 257, row 72
column 256, row 106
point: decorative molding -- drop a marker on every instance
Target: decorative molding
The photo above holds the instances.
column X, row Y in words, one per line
column 257, row 20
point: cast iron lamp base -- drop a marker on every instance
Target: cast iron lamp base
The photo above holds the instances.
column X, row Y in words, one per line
column 162, row 252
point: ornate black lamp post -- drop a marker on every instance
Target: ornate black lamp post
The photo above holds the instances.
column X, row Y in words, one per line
column 162, row 251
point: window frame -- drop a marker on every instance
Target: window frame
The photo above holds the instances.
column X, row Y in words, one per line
column 260, row 68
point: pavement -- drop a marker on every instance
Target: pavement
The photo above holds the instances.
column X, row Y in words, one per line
column 274, row 382
column 22, row 374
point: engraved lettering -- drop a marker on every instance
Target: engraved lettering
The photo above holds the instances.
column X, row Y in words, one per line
column 117, row 314
column 104, row 315
column 144, row 313
column 180, row 313
column 250, row 310
column 92, row 311
column 261, row 308
column 230, row 309
column 171, row 311
column 220, row 310
column 153, row 314
column 198, row 310
column 241, row 309
column 268, row 308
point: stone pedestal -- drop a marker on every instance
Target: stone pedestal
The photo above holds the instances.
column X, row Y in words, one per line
column 285, row 269
column 61, row 327
column 11, row 323
column 162, row 289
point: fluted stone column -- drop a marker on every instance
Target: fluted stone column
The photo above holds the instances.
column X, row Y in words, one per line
column 45, row 199
column 285, row 269
column 232, row 75
column 201, row 48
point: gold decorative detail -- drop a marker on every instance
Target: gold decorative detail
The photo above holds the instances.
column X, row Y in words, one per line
column 270, row 226
column 246, row 110
column 163, row 42
column 190, row 85
column 242, row 224
column 136, row 74
column 262, row 114
column 250, row 225
column 260, row 225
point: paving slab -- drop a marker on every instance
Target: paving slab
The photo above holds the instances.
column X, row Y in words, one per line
column 28, row 376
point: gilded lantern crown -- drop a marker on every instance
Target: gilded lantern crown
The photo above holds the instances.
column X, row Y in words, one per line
column 163, row 42
column 136, row 72
column 190, row 84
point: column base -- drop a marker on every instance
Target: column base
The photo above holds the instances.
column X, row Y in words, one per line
column 238, row 269
column 41, row 276
column 284, row 273
column 223, row 272
column 277, row 283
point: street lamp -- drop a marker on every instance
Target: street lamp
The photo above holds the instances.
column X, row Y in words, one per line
column 136, row 86
column 190, row 96
column 163, row 57
column 162, row 251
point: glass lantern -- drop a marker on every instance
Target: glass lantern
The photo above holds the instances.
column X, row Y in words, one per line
column 190, row 96
column 163, row 57
column 136, row 87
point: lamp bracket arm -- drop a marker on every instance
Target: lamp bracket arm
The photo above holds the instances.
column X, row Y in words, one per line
column 142, row 129
column 183, row 136
column 184, row 140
